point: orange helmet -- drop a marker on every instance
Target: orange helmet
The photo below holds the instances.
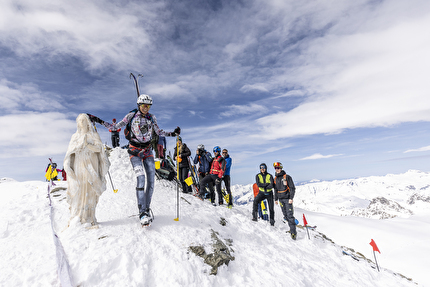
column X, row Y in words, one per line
column 277, row 165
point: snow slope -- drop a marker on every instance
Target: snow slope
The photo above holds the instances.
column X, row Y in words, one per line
column 121, row 253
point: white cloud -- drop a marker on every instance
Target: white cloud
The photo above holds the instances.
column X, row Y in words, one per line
column 362, row 79
column 243, row 110
column 100, row 34
column 426, row 148
column 319, row 156
column 35, row 134
column 258, row 87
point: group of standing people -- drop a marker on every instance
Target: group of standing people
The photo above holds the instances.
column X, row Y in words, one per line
column 213, row 170
column 282, row 189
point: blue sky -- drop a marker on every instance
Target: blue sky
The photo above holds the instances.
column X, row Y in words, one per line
column 332, row 89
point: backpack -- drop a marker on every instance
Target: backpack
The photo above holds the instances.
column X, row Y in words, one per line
column 127, row 130
column 128, row 133
column 286, row 184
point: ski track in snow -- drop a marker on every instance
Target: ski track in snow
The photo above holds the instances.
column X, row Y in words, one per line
column 121, row 253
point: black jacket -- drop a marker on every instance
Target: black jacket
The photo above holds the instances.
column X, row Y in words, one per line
column 268, row 187
column 280, row 187
column 184, row 152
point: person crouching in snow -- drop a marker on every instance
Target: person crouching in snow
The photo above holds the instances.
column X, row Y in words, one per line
column 265, row 185
column 140, row 149
column 284, row 191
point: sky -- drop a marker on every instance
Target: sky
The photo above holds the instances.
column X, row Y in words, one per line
column 331, row 89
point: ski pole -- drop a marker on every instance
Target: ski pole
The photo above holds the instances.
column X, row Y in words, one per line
column 177, row 177
column 375, row 260
column 114, row 190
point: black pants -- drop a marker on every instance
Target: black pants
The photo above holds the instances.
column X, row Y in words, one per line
column 226, row 180
column 210, row 181
column 209, row 185
column 115, row 139
column 288, row 212
column 258, row 199
column 183, row 175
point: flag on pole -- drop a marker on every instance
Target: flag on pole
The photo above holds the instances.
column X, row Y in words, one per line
column 304, row 220
column 375, row 248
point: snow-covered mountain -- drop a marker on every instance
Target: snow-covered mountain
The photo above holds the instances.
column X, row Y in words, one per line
column 378, row 197
column 169, row 253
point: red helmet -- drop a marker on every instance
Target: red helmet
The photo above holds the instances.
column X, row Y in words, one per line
column 114, row 120
column 277, row 165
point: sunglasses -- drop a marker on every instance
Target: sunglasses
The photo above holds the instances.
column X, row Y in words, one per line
column 145, row 105
column 277, row 167
column 224, row 152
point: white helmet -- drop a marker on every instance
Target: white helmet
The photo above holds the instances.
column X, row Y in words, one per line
column 201, row 146
column 144, row 99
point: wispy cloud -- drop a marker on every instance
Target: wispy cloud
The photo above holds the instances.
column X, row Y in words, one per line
column 425, row 148
column 244, row 110
column 319, row 156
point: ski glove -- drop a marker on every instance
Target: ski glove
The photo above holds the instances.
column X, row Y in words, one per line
column 95, row 119
column 217, row 181
column 177, row 131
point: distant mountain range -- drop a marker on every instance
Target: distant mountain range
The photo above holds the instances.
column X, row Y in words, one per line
column 378, row 197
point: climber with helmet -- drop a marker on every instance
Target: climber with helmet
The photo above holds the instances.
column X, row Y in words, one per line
column 142, row 124
column 204, row 159
column 114, row 135
column 215, row 176
column 284, row 191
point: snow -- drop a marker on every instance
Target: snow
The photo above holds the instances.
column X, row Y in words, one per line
column 121, row 253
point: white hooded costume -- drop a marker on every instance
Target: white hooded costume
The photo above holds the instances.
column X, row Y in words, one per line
column 86, row 164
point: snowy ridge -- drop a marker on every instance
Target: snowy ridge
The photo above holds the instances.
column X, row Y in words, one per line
column 121, row 253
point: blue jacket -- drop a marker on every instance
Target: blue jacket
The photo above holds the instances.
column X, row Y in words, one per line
column 204, row 161
column 227, row 165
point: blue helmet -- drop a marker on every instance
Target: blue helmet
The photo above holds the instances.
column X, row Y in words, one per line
column 217, row 149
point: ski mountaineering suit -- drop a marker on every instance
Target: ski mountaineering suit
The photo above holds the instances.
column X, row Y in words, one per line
column 284, row 191
column 141, row 155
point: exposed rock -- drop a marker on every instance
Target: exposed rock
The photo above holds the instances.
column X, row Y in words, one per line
column 221, row 253
column 382, row 208
column 417, row 197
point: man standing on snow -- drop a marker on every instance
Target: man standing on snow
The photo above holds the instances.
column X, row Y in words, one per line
column 265, row 185
column 204, row 159
column 114, row 135
column 142, row 124
column 215, row 176
column 284, row 191
column 182, row 159
column 226, row 177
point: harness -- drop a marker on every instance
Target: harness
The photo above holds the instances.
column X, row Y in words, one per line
column 288, row 188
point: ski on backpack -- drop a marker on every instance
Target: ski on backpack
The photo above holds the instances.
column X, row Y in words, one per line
column 195, row 180
column 136, row 82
